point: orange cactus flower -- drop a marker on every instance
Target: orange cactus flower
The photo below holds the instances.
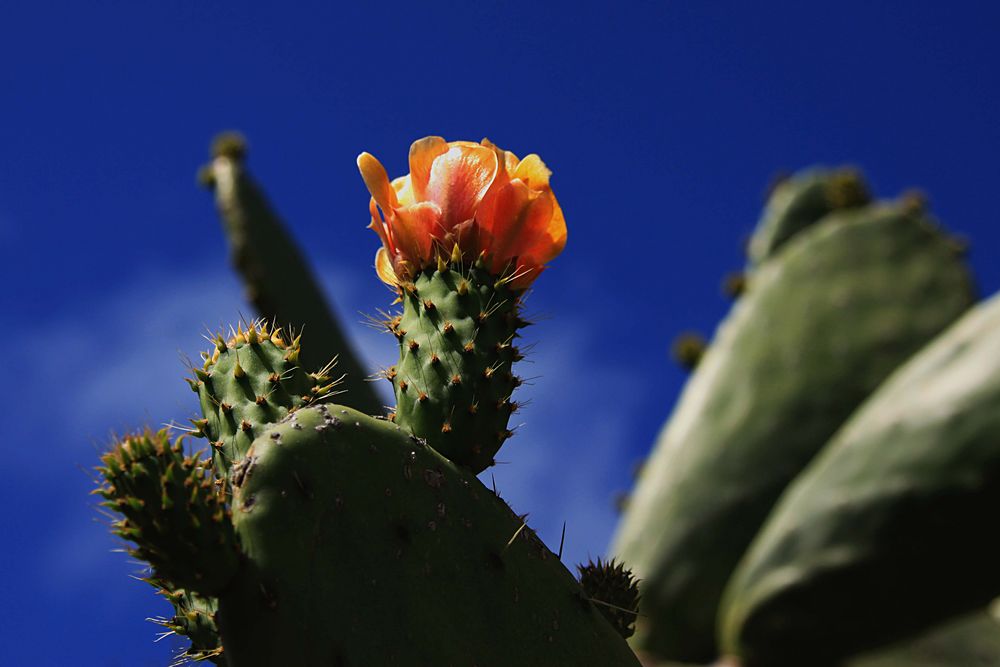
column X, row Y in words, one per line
column 465, row 197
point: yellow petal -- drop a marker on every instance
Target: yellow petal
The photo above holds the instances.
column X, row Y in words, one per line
column 404, row 191
column 383, row 267
column 377, row 181
column 532, row 171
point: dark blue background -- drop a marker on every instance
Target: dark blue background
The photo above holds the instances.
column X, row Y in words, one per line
column 662, row 123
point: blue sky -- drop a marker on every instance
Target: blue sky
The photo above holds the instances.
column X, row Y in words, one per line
column 662, row 123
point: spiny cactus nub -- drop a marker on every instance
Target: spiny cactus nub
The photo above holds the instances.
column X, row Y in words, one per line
column 249, row 380
column 194, row 619
column 688, row 349
column 173, row 511
column 616, row 592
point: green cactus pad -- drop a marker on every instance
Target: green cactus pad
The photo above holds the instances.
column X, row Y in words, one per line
column 453, row 382
column 970, row 641
column 172, row 511
column 826, row 320
column 365, row 547
column 799, row 202
column 278, row 279
column 248, row 382
column 893, row 527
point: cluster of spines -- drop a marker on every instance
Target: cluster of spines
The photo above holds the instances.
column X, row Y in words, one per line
column 173, row 511
column 615, row 592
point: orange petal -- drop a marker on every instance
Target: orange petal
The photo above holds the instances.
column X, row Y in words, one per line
column 521, row 222
column 383, row 268
column 486, row 211
column 377, row 181
column 532, row 171
column 422, row 155
column 413, row 229
column 511, row 161
column 549, row 240
column 459, row 179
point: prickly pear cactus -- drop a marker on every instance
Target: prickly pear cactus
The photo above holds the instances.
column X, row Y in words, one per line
column 317, row 535
column 897, row 511
column 824, row 320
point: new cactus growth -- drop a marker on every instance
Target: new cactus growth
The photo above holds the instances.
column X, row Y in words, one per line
column 454, row 380
column 249, row 380
column 612, row 587
column 688, row 349
column 173, row 511
column 194, row 619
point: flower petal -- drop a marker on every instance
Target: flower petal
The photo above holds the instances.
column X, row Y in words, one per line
column 548, row 240
column 383, row 267
column 459, row 179
column 377, row 181
column 532, row 171
column 521, row 222
column 413, row 230
column 423, row 152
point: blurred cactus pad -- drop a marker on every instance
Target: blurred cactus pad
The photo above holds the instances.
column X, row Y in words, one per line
column 823, row 493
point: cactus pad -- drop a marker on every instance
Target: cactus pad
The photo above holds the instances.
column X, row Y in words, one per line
column 365, row 547
column 173, row 511
column 454, row 381
column 898, row 511
column 827, row 319
column 248, row 382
